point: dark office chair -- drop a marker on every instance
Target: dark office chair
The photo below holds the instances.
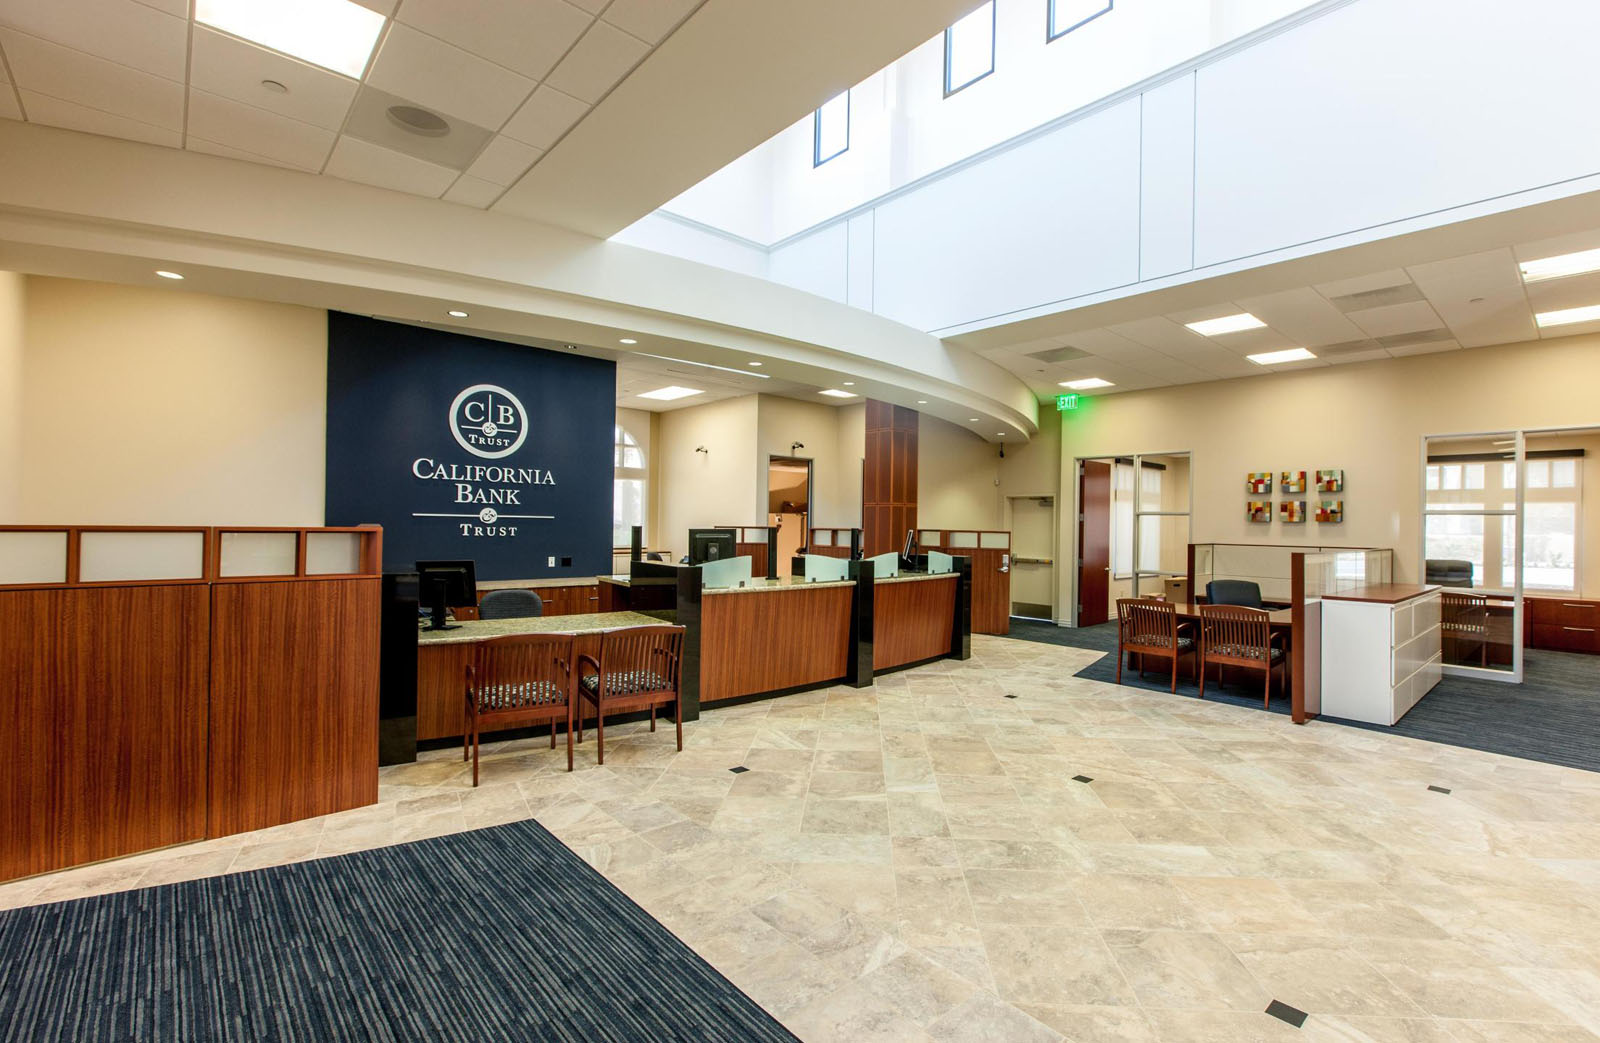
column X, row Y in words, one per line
column 510, row 604
column 1241, row 592
column 655, row 555
column 1449, row 572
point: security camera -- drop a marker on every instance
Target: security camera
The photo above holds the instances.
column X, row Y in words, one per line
column 702, row 449
column 796, row 445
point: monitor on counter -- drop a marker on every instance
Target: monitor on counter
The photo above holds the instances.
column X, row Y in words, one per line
column 446, row 584
column 711, row 545
column 911, row 548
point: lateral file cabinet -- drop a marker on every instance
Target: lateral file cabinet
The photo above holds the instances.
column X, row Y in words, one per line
column 1380, row 653
column 1563, row 624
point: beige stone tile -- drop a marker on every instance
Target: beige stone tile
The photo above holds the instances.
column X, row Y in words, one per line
column 798, row 912
column 759, row 814
column 921, row 989
column 1185, row 969
column 863, row 816
column 839, row 784
column 917, row 815
column 1053, row 966
column 852, row 1013
column 1246, row 904
column 1202, row 1026
column 1010, row 896
column 1148, row 902
column 1515, row 1032
column 1449, row 980
column 1320, row 975
column 1095, row 1024
column 983, row 1019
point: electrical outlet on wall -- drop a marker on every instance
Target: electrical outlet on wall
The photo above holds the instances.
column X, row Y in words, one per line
column 550, row 562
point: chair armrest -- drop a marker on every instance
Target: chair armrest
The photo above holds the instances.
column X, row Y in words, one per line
column 1187, row 624
column 585, row 658
column 1279, row 638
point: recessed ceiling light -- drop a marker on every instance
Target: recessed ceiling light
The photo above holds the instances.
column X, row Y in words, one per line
column 1226, row 324
column 454, row 314
column 972, row 420
column 1568, row 316
column 922, row 401
column 168, row 275
column 667, row 394
column 628, row 340
column 849, row 383
column 836, row 393
column 1561, row 265
column 756, row 364
column 1273, row 358
column 702, row 365
column 1087, row 384
column 414, row 119
column 999, row 434
column 335, row 34
column 274, row 87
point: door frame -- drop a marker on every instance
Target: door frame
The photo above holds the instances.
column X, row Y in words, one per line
column 1137, row 458
column 1055, row 542
column 811, row 491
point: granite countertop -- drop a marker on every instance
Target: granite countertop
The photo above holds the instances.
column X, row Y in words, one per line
column 621, row 579
column 907, row 577
column 536, row 584
column 470, row 630
column 762, row 586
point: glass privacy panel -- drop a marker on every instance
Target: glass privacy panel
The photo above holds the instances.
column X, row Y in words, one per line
column 333, row 553
column 1470, row 551
column 885, row 565
column 257, row 554
column 822, row 538
column 994, row 540
column 110, row 556
column 728, row 572
column 1163, row 545
column 939, row 562
column 33, row 557
column 963, row 539
column 823, row 569
column 929, row 537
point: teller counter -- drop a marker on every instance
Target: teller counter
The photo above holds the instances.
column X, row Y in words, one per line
column 774, row 635
column 914, row 618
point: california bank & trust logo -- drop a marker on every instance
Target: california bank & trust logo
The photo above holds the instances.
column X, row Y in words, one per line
column 488, row 421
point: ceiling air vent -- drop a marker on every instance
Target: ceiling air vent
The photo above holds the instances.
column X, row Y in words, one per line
column 1407, row 340
column 1065, row 354
column 1368, row 299
column 1349, row 347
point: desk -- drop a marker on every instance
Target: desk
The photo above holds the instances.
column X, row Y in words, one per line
column 568, row 596
column 442, row 659
column 913, row 617
column 1279, row 619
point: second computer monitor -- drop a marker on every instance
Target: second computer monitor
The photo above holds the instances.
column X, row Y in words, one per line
column 711, row 545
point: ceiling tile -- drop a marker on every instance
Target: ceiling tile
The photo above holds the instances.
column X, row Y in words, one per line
column 256, row 130
column 600, row 59
column 371, row 120
column 195, row 143
column 1303, row 315
column 383, row 7
column 649, row 20
column 1479, row 297
column 592, row 6
column 74, row 76
column 1363, row 283
column 1425, row 349
column 1573, row 242
column 1397, row 318
column 8, row 105
column 57, row 113
column 1575, row 291
column 436, row 75
column 357, row 160
column 1357, row 356
column 125, row 32
column 471, row 191
column 176, row 8
column 545, row 117
column 528, row 36
column 503, row 161
column 234, row 69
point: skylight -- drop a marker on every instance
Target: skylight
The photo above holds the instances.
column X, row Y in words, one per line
column 969, row 49
column 831, row 129
column 335, row 34
column 1067, row 15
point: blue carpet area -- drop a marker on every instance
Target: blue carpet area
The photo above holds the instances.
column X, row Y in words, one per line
column 1553, row 716
column 496, row 934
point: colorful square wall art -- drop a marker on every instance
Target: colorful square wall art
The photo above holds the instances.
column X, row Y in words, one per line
column 1292, row 512
column 1258, row 482
column 1330, row 481
column 1259, row 511
column 1330, row 511
column 1294, row 481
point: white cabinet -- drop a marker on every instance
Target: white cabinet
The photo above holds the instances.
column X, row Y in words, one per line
column 1379, row 656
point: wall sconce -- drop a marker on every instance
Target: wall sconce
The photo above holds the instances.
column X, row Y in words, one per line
column 796, row 445
column 702, row 449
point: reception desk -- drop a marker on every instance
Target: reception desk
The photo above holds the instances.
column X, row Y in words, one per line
column 773, row 635
column 914, row 618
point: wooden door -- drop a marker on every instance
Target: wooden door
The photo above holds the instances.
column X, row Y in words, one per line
column 1094, row 542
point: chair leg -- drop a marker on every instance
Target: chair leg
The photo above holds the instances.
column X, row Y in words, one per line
column 652, row 716
column 552, row 733
column 1174, row 672
column 677, row 717
column 1266, row 698
column 600, row 730
column 579, row 708
column 569, row 736
column 475, row 751
column 1200, row 667
column 1120, row 657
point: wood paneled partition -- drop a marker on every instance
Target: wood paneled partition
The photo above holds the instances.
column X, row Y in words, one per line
column 888, row 477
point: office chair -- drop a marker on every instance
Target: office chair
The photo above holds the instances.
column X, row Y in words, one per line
column 1234, row 592
column 655, row 555
column 510, row 604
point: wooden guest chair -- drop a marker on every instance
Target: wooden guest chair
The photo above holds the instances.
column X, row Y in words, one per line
column 1232, row 635
column 638, row 668
column 1465, row 618
column 516, row 682
column 1149, row 627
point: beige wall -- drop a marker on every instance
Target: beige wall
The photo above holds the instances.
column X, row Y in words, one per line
column 958, row 476
column 12, row 298
column 150, row 406
column 835, row 457
column 717, row 487
column 1367, row 418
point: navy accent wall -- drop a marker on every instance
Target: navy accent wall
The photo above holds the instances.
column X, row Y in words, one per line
column 462, row 447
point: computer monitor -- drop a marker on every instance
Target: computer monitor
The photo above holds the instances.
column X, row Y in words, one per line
column 711, row 545
column 446, row 584
column 911, row 547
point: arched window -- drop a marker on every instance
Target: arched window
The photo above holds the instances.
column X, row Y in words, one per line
column 630, row 487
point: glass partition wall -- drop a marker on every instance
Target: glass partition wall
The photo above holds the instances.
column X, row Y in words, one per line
column 1473, row 525
column 1132, row 534
column 1161, row 506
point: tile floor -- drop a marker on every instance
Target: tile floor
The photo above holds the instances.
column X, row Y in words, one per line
column 914, row 862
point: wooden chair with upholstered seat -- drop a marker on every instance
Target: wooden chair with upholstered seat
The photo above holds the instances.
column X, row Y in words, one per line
column 1146, row 626
column 516, row 682
column 637, row 668
column 1464, row 620
column 1233, row 635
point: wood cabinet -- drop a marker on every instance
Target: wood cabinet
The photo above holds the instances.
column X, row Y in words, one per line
column 1563, row 624
column 570, row 600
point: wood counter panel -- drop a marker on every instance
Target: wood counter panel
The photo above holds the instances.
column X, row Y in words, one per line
column 771, row 640
column 294, row 701
column 442, row 682
column 103, row 704
column 912, row 621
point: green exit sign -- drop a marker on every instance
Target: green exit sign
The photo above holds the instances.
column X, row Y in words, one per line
column 1066, row 402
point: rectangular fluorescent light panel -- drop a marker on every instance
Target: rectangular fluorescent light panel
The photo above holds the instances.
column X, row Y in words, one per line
column 705, row 365
column 1226, row 324
column 1561, row 265
column 335, row 34
column 671, row 392
column 1087, row 385
column 1273, row 358
column 836, row 393
column 1568, row 316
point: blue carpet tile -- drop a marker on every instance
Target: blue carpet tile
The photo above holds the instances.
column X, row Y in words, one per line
column 496, row 934
column 1553, row 716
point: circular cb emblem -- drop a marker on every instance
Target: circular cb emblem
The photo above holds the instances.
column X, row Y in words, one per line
column 488, row 421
